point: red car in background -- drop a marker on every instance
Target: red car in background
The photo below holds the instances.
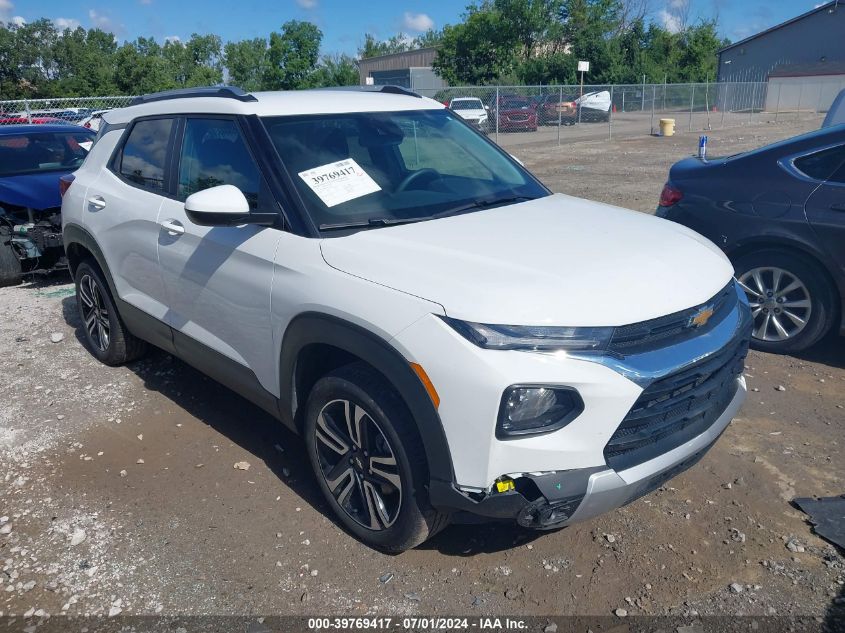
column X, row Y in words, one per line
column 516, row 114
column 15, row 119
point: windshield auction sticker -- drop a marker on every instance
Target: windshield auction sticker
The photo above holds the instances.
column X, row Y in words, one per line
column 339, row 182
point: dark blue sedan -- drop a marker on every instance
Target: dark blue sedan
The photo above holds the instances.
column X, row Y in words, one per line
column 32, row 160
column 778, row 212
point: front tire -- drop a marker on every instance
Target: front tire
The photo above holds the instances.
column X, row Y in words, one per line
column 103, row 329
column 792, row 302
column 369, row 460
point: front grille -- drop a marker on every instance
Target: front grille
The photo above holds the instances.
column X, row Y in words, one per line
column 672, row 328
column 518, row 117
column 676, row 408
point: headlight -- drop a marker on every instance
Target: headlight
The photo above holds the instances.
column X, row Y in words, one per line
column 536, row 410
column 524, row 337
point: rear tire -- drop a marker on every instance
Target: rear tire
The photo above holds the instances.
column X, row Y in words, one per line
column 104, row 331
column 10, row 265
column 369, row 460
column 792, row 301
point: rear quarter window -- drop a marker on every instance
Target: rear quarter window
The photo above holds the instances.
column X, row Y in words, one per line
column 144, row 154
column 821, row 165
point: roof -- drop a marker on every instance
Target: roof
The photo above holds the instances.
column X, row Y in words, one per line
column 8, row 130
column 280, row 103
column 818, row 9
column 811, row 69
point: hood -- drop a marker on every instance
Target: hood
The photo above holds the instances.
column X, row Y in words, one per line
column 36, row 191
column 472, row 114
column 558, row 260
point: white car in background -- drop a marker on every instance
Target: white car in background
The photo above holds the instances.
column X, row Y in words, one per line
column 594, row 106
column 92, row 122
column 470, row 109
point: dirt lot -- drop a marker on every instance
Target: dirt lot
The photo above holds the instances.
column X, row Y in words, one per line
column 118, row 492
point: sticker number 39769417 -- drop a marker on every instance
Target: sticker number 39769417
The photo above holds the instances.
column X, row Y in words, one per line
column 339, row 182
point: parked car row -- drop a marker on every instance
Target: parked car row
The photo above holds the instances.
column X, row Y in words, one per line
column 516, row 113
column 85, row 117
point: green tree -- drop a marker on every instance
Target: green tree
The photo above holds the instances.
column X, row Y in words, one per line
column 478, row 50
column 292, row 56
column 335, row 70
column 246, row 61
column 198, row 62
column 84, row 63
column 140, row 67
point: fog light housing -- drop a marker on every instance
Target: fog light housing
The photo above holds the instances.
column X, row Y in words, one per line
column 536, row 410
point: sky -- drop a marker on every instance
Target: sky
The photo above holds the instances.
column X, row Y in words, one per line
column 344, row 22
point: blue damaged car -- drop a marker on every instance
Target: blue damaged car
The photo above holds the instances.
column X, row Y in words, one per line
column 33, row 159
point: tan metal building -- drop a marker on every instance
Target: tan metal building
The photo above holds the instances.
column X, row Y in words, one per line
column 411, row 69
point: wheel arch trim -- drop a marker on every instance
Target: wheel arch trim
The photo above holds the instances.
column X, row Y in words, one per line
column 314, row 328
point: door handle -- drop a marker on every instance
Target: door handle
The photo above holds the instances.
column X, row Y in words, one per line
column 98, row 202
column 173, row 227
column 838, row 207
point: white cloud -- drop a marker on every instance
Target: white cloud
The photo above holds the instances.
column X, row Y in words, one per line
column 307, row 4
column 174, row 39
column 417, row 22
column 66, row 23
column 670, row 21
column 18, row 20
column 6, row 7
column 103, row 22
column 678, row 4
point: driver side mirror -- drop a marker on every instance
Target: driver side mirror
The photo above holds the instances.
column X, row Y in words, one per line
column 223, row 205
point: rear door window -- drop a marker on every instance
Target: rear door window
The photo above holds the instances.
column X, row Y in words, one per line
column 144, row 157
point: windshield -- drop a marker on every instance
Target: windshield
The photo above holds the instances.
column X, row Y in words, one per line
column 467, row 104
column 391, row 167
column 36, row 152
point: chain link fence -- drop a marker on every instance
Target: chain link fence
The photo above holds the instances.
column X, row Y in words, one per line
column 84, row 111
column 528, row 115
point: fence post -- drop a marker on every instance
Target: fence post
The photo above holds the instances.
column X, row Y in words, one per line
column 653, row 98
column 497, row 115
column 642, row 105
column 800, row 96
column 725, row 105
column 819, row 102
column 28, row 111
column 610, row 115
column 777, row 105
column 751, row 108
column 691, row 106
column 559, row 115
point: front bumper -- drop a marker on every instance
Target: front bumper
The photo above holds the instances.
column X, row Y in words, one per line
column 572, row 496
column 545, row 495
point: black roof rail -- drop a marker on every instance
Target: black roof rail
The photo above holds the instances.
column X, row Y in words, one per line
column 221, row 92
column 395, row 90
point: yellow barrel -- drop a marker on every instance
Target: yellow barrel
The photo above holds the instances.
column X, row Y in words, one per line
column 667, row 127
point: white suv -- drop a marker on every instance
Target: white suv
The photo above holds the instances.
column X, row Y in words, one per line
column 450, row 338
column 470, row 109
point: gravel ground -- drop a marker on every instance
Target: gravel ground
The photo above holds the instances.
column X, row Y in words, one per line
column 118, row 492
